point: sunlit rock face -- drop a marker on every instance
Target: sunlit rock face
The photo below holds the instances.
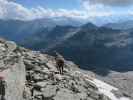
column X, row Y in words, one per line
column 15, row 79
column 12, row 70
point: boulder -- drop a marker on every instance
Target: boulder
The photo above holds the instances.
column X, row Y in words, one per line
column 41, row 84
column 27, row 93
column 11, row 46
column 15, row 80
column 49, row 91
column 65, row 94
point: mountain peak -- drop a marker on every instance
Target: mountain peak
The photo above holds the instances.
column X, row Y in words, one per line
column 89, row 26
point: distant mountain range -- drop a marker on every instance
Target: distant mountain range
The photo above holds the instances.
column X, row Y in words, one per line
column 121, row 25
column 98, row 47
column 18, row 30
column 46, row 39
column 107, row 47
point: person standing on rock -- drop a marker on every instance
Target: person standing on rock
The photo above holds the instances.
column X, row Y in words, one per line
column 59, row 62
column 2, row 88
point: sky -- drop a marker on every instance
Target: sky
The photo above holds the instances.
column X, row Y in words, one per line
column 53, row 4
column 100, row 11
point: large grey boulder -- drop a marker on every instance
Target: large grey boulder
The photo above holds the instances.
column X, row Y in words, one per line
column 15, row 80
column 10, row 45
column 12, row 69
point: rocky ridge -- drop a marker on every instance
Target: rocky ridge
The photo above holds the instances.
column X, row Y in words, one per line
column 30, row 75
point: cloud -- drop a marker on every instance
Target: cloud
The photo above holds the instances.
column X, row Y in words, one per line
column 9, row 9
column 93, row 10
column 108, row 11
column 42, row 12
column 13, row 10
column 104, row 8
column 110, row 2
column 97, row 9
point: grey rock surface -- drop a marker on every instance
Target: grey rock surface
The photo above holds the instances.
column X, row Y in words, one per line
column 123, row 81
column 30, row 75
column 12, row 69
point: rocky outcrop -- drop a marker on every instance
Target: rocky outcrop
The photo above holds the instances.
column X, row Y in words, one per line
column 30, row 75
column 12, row 69
column 46, row 83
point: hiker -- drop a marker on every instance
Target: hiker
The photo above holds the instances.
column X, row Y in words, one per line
column 59, row 63
column 2, row 88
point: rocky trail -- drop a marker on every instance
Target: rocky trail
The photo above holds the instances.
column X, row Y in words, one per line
column 31, row 75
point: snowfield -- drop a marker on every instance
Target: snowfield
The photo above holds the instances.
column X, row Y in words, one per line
column 106, row 89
